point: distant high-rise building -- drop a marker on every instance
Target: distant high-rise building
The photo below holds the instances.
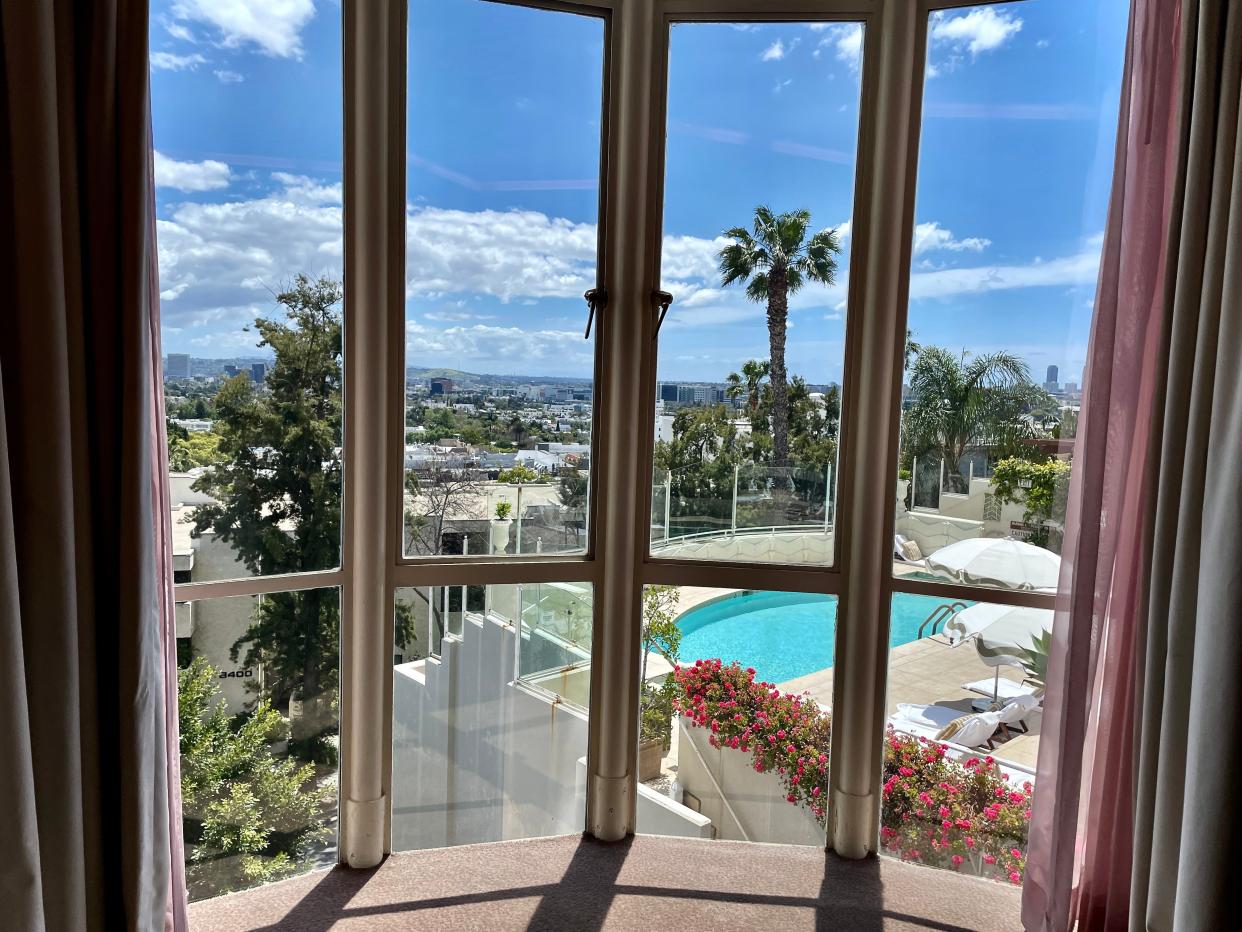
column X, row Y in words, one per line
column 258, row 372
column 177, row 366
column 231, row 371
column 1054, row 376
column 668, row 391
column 440, row 386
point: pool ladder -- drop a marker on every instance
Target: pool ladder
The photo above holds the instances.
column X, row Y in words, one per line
column 940, row 615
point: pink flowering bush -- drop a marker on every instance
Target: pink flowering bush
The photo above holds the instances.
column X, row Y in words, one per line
column 946, row 813
column 785, row 734
column 936, row 810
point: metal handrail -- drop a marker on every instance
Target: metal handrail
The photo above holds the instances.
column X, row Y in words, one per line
column 765, row 529
column 941, row 613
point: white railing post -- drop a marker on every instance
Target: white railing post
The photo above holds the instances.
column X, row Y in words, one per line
column 518, row 508
column 827, row 497
column 668, row 502
column 733, row 520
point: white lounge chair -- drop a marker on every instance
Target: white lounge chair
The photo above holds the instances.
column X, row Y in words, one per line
column 967, row 729
column 906, row 550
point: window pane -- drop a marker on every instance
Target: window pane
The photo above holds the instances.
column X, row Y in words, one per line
column 734, row 727
column 490, row 713
column 258, row 699
column 965, row 687
column 247, row 131
column 501, row 231
column 1019, row 121
column 758, row 193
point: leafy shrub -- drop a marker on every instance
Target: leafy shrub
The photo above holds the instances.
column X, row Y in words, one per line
column 936, row 810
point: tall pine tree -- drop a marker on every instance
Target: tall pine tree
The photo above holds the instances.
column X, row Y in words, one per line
column 277, row 491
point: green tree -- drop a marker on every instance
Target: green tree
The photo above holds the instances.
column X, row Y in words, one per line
column 749, row 384
column 201, row 448
column 959, row 403
column 518, row 475
column 250, row 815
column 436, row 494
column 700, row 461
column 277, row 488
column 660, row 635
column 1042, row 488
column 776, row 260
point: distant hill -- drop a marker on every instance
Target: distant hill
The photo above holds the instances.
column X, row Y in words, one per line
column 457, row 375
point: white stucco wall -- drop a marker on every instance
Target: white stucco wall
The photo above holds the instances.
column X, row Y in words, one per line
column 479, row 757
column 757, row 809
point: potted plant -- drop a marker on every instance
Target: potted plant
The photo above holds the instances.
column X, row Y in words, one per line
column 661, row 635
column 655, row 729
column 500, row 527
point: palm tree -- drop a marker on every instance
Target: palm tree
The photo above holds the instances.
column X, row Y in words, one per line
column 912, row 348
column 959, row 402
column 749, row 384
column 776, row 259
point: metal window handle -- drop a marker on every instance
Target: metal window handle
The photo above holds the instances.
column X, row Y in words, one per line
column 664, row 300
column 596, row 298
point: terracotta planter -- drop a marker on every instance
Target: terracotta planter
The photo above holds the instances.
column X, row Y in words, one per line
column 650, row 753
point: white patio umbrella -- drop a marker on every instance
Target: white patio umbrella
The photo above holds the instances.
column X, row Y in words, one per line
column 1002, row 633
column 1008, row 564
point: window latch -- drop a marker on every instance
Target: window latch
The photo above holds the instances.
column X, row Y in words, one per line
column 596, row 299
column 663, row 300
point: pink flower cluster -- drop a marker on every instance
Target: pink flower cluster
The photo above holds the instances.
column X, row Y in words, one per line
column 946, row 813
column 936, row 810
column 786, row 734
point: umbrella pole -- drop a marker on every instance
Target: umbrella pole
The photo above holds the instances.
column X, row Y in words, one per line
column 996, row 686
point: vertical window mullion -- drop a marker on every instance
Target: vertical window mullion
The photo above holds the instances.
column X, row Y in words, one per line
column 893, row 71
column 631, row 220
column 374, row 196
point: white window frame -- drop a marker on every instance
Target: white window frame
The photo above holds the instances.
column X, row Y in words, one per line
column 617, row 562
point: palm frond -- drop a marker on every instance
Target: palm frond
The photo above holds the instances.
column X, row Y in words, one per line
column 757, row 289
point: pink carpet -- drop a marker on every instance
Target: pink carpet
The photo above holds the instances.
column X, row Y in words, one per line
column 648, row 883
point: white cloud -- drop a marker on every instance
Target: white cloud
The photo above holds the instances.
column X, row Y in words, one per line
column 308, row 191
column 845, row 39
column 178, row 31
column 228, row 77
column 221, row 262
column 781, row 85
column 208, row 175
column 931, row 236
column 981, row 30
column 168, row 61
column 774, row 52
column 490, row 348
column 273, row 25
column 1079, row 269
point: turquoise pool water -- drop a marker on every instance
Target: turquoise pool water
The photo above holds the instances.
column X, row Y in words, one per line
column 783, row 635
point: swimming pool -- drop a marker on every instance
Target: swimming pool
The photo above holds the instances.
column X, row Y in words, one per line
column 783, row 635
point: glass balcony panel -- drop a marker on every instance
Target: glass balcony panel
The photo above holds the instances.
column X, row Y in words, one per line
column 491, row 686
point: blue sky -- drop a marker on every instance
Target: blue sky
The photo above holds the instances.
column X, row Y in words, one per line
column 503, row 152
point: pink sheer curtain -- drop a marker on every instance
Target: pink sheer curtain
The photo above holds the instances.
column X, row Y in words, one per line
column 1079, row 857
